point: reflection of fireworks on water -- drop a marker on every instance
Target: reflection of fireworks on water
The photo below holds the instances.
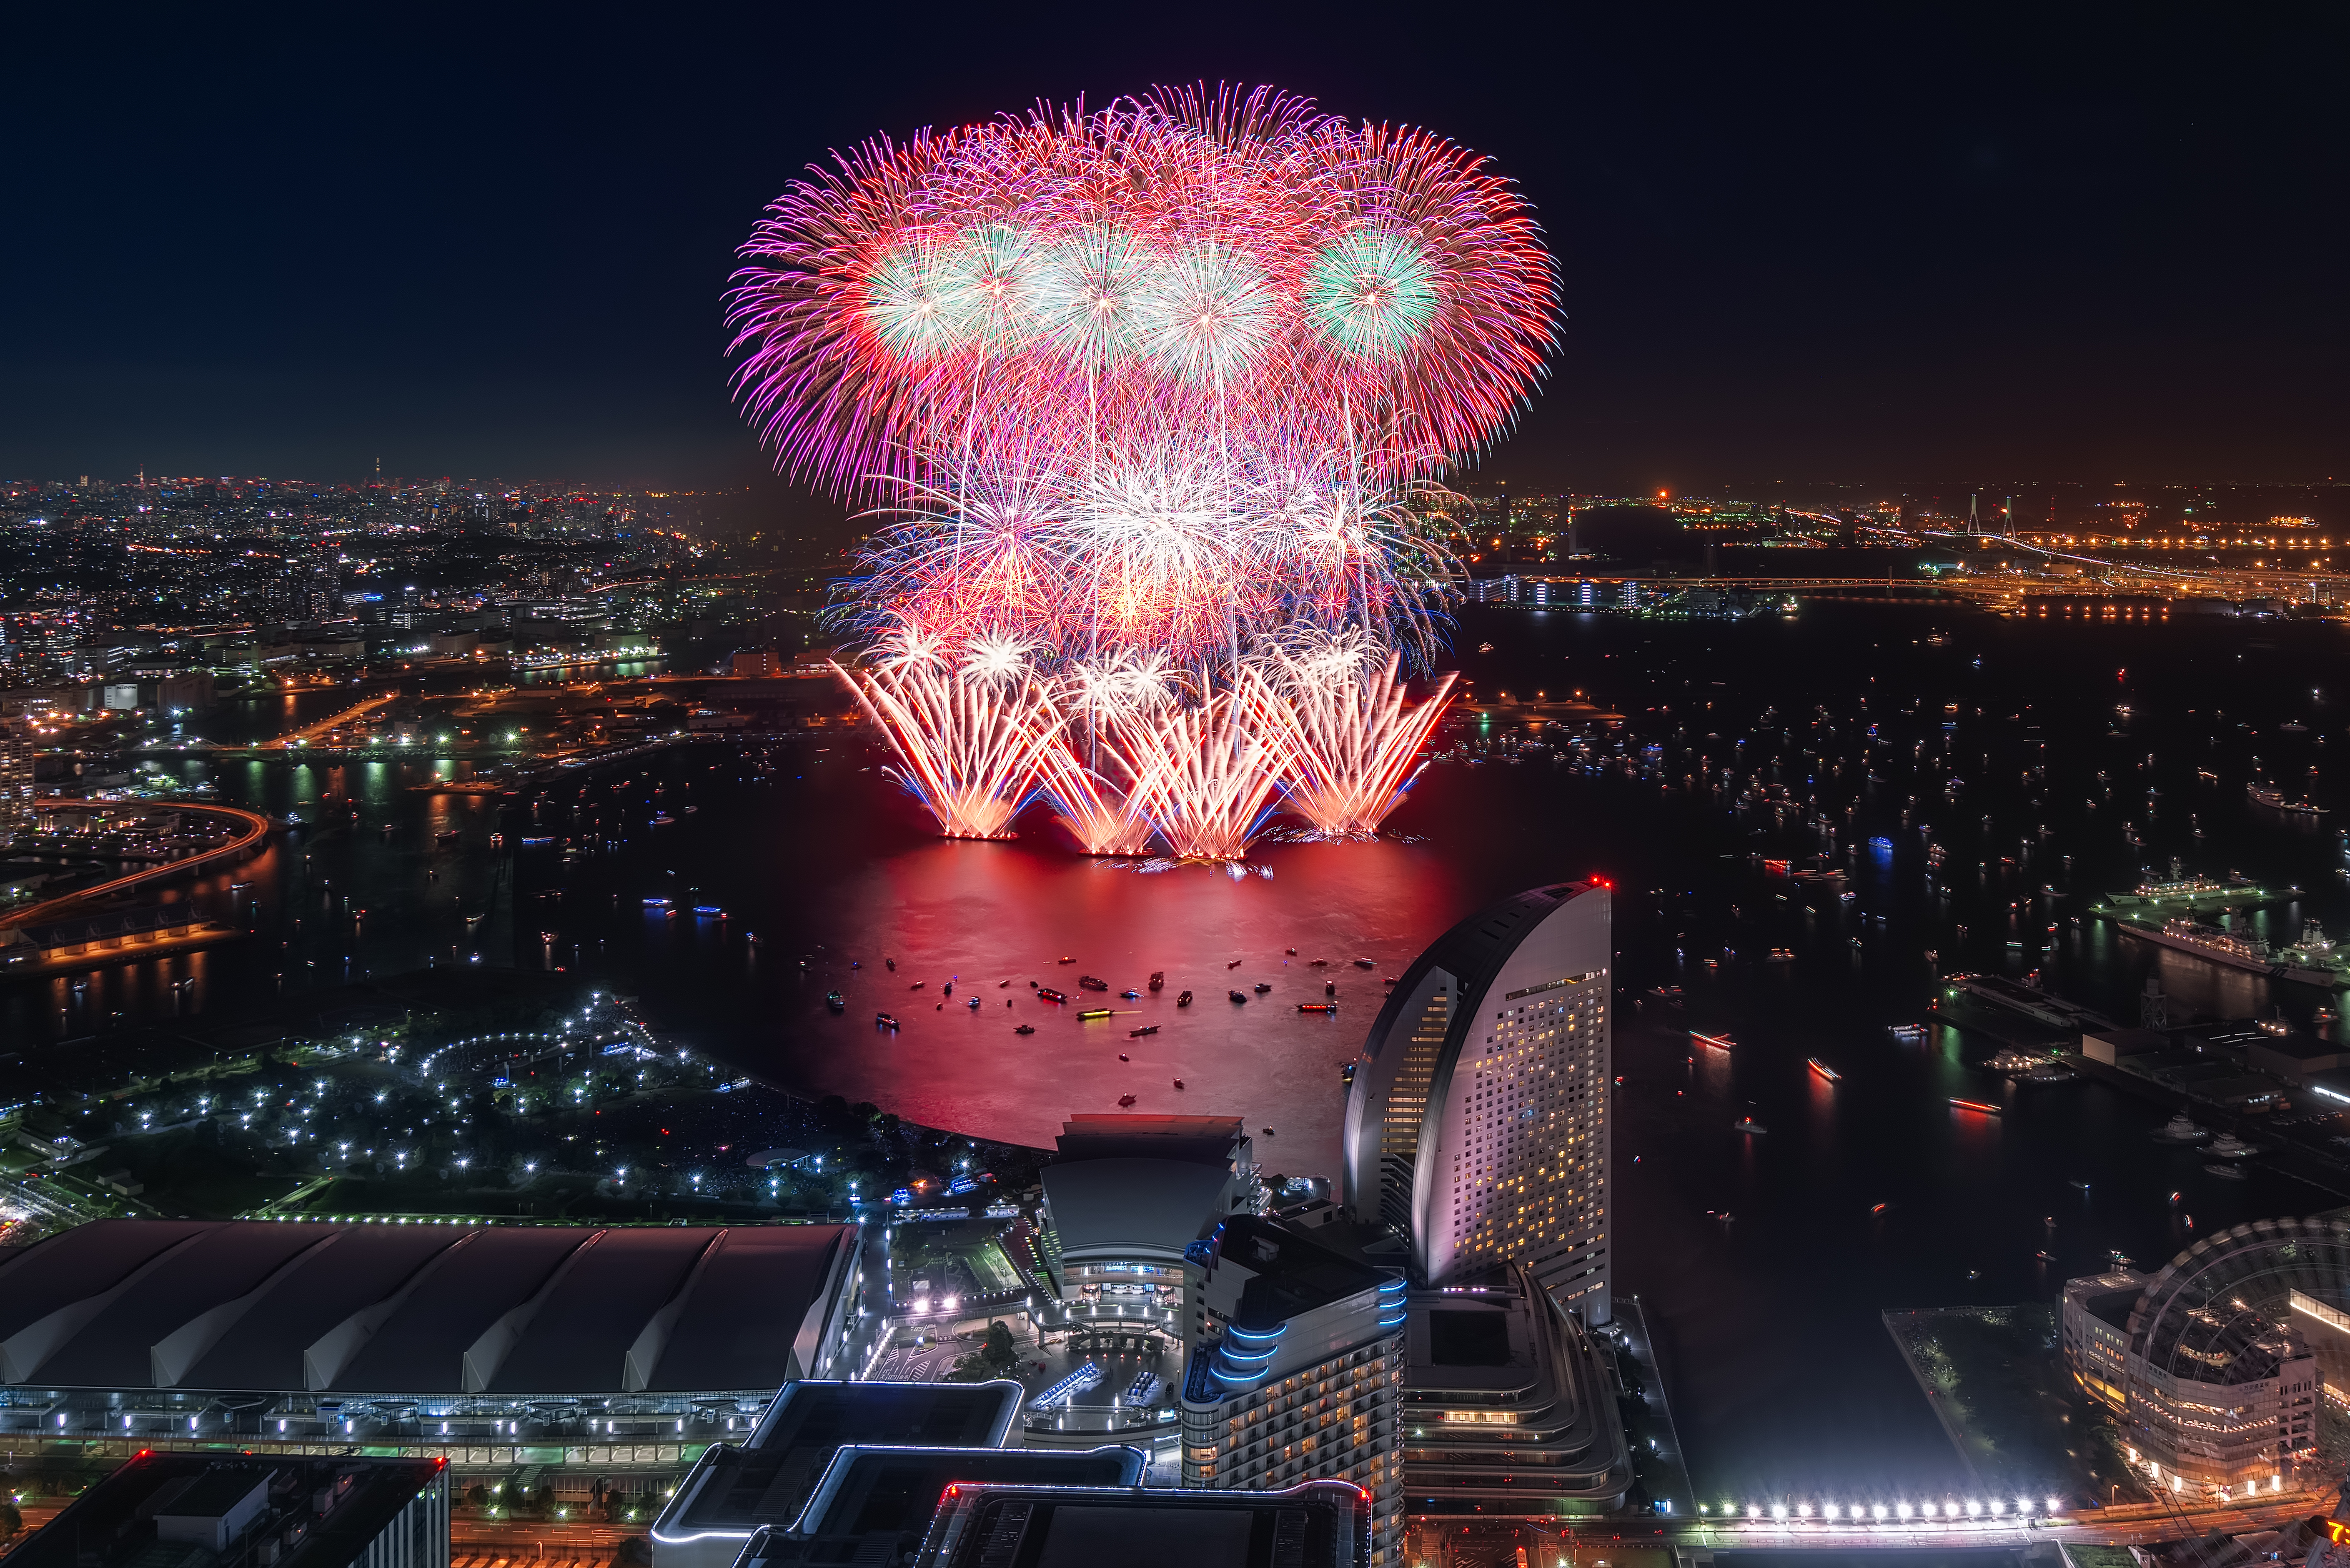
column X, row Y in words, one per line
column 1145, row 389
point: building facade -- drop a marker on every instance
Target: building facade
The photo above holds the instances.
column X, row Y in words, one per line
column 1477, row 1126
column 1507, row 1409
column 2216, row 1399
column 1298, row 1370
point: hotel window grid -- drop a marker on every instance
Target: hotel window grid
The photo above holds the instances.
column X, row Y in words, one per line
column 1528, row 1181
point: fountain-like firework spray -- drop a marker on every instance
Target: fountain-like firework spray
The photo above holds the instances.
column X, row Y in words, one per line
column 1353, row 744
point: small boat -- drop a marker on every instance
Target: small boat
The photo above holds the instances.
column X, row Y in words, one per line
column 1065, row 960
column 1023, row 1028
column 1267, row 1131
column 1749, row 1125
column 1319, row 963
column 835, row 1000
column 2046, row 1257
column 1822, row 1069
column 1124, row 1057
column 971, row 1002
column 2228, row 1172
column 1158, row 978
column 1717, row 1041
column 754, row 940
column 1092, row 983
column 1234, row 964
column 1318, row 1007
column 1365, row 963
column 664, row 821
column 947, row 990
column 1237, row 995
column 1261, row 988
column 1184, row 1000
column 2081, row 1184
column 917, row 985
column 890, row 964
column 1000, row 984
column 1129, row 994
column 1146, row 1030
column 1178, row 1082
column 1046, row 993
column 1125, row 1100
column 446, row 835
column 1330, row 988
column 886, row 1020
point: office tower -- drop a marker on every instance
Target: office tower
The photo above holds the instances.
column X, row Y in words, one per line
column 16, row 776
column 1296, row 1370
column 1476, row 1129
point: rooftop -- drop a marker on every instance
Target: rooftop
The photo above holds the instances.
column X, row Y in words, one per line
column 769, row 1479
column 143, row 1513
column 418, row 1309
column 1326, row 1523
column 873, row 1501
column 1292, row 1274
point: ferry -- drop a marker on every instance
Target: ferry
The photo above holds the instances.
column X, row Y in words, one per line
column 1318, row 1007
column 1090, row 1013
column 656, row 903
column 2315, row 960
column 1822, row 1069
column 1717, row 1041
column 885, row 1021
column 1046, row 993
column 1908, row 1033
column 2228, row 1146
column 1976, row 1105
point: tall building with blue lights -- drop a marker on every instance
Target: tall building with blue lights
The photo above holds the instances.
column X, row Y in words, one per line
column 1296, row 1371
column 1477, row 1126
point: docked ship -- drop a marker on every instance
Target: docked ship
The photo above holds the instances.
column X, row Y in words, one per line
column 2315, row 960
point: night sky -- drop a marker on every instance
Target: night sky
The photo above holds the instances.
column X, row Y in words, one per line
column 1953, row 245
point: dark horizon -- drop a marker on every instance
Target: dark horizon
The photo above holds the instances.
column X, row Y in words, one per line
column 2098, row 247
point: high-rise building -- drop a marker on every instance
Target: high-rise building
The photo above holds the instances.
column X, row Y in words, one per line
column 1298, row 1370
column 1476, row 1130
column 16, row 776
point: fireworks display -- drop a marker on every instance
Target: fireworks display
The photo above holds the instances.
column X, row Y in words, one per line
column 1150, row 401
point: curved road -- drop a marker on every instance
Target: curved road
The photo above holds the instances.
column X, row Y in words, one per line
column 254, row 829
